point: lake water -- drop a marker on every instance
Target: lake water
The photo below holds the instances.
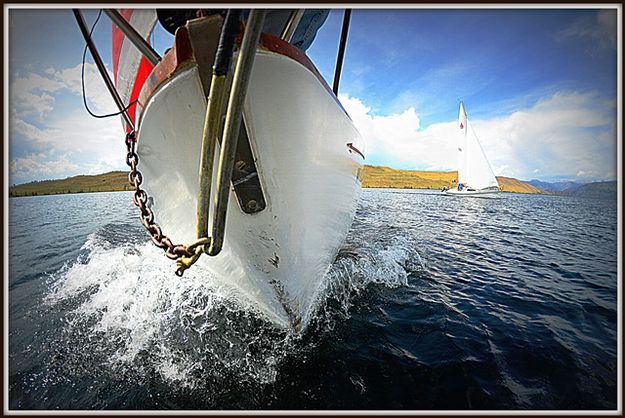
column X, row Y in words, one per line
column 433, row 303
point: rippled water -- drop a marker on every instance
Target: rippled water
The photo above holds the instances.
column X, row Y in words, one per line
column 433, row 303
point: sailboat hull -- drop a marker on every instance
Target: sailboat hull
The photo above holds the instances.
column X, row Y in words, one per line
column 303, row 145
column 487, row 194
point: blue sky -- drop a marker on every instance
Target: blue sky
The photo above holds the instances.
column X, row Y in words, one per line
column 539, row 87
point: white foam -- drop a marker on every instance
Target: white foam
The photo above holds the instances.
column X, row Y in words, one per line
column 130, row 295
column 387, row 265
column 128, row 302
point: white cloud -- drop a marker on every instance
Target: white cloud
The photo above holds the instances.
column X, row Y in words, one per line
column 40, row 166
column 33, row 81
column 94, row 145
column 98, row 96
column 607, row 23
column 30, row 132
column 398, row 136
column 77, row 132
column 47, row 141
column 560, row 135
column 31, row 95
column 600, row 31
column 28, row 104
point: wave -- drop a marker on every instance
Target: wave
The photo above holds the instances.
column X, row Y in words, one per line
column 122, row 300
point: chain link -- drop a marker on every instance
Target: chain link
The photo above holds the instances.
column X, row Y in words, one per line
column 140, row 199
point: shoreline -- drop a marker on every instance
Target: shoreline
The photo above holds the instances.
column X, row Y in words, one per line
column 131, row 190
column 373, row 177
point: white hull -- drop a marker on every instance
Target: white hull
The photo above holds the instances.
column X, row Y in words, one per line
column 298, row 133
column 489, row 194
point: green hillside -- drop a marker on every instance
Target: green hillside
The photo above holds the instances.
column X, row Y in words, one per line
column 374, row 176
column 385, row 177
column 108, row 182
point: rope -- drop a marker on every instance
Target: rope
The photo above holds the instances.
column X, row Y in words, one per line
column 82, row 78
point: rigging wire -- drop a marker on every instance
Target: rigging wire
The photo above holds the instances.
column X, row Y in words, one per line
column 82, row 78
column 341, row 53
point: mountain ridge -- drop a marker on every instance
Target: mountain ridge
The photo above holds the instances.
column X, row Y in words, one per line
column 555, row 186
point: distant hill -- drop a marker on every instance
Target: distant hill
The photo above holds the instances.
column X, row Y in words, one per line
column 509, row 184
column 108, row 182
column 556, row 186
column 373, row 176
column 597, row 190
column 385, row 177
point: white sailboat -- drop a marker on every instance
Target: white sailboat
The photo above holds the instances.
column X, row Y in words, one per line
column 296, row 173
column 475, row 175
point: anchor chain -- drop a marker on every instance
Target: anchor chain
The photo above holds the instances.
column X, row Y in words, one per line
column 186, row 256
column 140, row 199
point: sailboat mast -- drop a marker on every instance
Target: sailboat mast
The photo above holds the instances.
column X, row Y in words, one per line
column 463, row 149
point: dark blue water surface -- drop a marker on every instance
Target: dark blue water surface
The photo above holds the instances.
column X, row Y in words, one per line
column 433, row 303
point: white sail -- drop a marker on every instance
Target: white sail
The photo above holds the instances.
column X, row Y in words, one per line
column 130, row 67
column 474, row 170
column 462, row 146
